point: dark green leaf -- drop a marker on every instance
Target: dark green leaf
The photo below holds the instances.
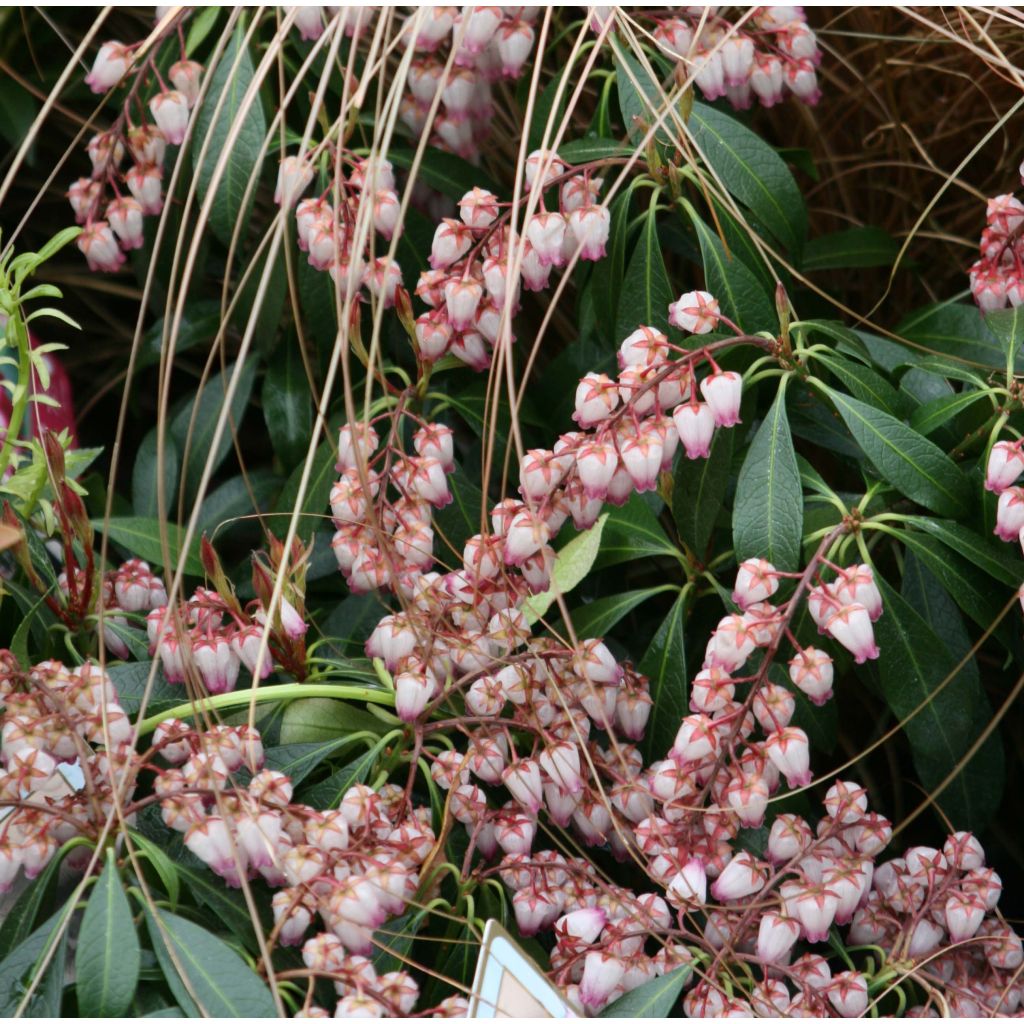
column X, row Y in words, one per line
column 699, row 489
column 108, row 954
column 1008, row 326
column 329, row 792
column 20, row 967
column 287, row 405
column 315, row 507
column 546, row 115
column 194, row 434
column 957, row 331
column 596, row 618
column 741, row 295
column 297, row 760
column 902, row 457
column 18, row 921
column 646, row 292
column 605, row 283
column 655, row 999
column 865, row 384
column 199, row 324
column 664, row 664
column 927, row 418
column 995, row 558
column 141, row 537
column 913, row 664
column 767, row 517
column 583, row 151
column 394, row 941
column 640, row 97
column 227, row 906
column 194, row 961
column 129, row 681
column 240, row 496
column 166, row 869
column 632, row 531
column 753, row 172
column 460, row 520
column 231, row 79
column 146, row 475
column 447, row 173
column 852, row 247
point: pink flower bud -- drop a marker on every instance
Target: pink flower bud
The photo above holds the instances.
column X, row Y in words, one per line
column 386, row 211
column 597, row 395
column 217, row 663
column 561, row 763
column 1005, row 465
column 84, row 197
column 790, row 835
column 788, row 750
column 776, row 936
column 462, row 297
column 851, row 626
column 211, row 843
column 185, row 75
column 848, row 993
column 589, row 227
column 433, row 335
column 689, row 886
column 803, row 82
column 695, row 424
column 546, row 232
column 452, row 240
column 812, row 672
column 543, row 160
column 109, row 67
column 737, row 59
column 723, row 391
column 515, row 41
column 709, row 73
column 1010, row 513
column 170, row 111
column 696, row 312
column 602, row 974
column 964, row 913
column 309, row 20
column 756, row 581
column 145, row 183
column 696, row 739
column 478, row 208
column 743, row 876
column 526, row 534
column 100, row 248
column 413, row 690
column 293, row 178
column 124, row 215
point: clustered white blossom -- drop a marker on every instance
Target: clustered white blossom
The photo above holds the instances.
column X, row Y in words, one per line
column 997, row 277
column 490, row 43
column 112, row 221
column 765, row 57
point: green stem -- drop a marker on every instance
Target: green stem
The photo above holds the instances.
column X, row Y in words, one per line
column 17, row 331
column 289, row 691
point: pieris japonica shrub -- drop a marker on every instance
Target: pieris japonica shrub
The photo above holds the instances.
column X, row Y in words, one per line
column 499, row 522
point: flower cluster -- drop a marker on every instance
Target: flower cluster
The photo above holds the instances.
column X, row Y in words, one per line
column 113, row 221
column 60, row 725
column 211, row 637
column 382, row 503
column 997, row 277
column 477, row 267
column 329, row 232
column 339, row 874
column 131, row 589
column 490, row 43
column 764, row 57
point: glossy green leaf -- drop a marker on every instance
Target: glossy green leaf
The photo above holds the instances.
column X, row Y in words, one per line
column 287, row 403
column 655, row 999
column 957, row 331
column 646, row 292
column 927, row 418
column 1008, row 326
column 914, row 663
column 196, row 962
column 597, row 617
column 572, row 563
column 297, row 760
column 107, row 955
column 741, row 295
column 864, row 383
column 753, row 172
column 583, row 151
column 640, row 97
column 767, row 517
column 231, row 79
column 460, row 520
column 20, row 968
column 698, row 491
column 632, row 531
column 605, row 283
column 198, row 326
column 447, row 173
column 130, row 679
column 238, row 497
column 999, row 560
column 141, row 537
column 146, row 475
column 664, row 664
column 329, row 792
column 161, row 863
column 194, row 434
column 321, row 721
column 903, row 458
column 314, row 510
column 851, row 247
